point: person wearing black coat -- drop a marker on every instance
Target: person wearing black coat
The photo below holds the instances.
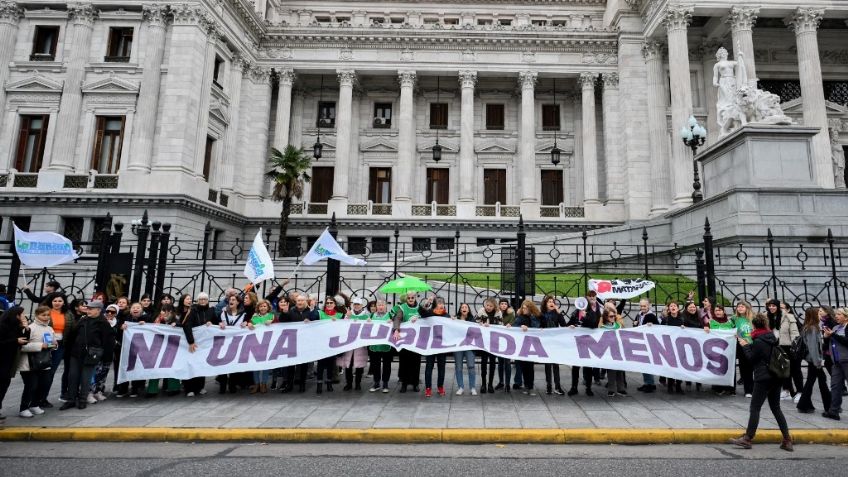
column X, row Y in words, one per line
column 12, row 337
column 553, row 319
column 646, row 317
column 89, row 333
column 527, row 317
column 200, row 314
column 300, row 312
column 766, row 385
column 588, row 318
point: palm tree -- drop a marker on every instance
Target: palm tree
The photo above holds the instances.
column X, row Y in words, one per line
column 288, row 174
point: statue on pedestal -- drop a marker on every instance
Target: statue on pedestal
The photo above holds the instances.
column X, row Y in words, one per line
column 838, row 155
column 739, row 101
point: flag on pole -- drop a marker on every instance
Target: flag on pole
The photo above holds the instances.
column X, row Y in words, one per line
column 259, row 265
column 43, row 249
column 327, row 247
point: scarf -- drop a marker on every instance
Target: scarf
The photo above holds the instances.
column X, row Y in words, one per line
column 759, row 332
column 330, row 313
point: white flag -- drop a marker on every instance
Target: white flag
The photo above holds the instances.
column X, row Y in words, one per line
column 327, row 247
column 621, row 289
column 43, row 249
column 259, row 265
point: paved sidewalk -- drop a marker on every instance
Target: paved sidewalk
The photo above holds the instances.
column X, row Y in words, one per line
column 365, row 410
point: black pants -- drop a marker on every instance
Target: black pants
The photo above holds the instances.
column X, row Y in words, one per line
column 292, row 374
column 795, row 377
column 575, row 376
column 5, row 379
column 814, row 374
column 487, row 368
column 325, row 369
column 34, row 384
column 766, row 390
column 552, row 370
column 439, row 361
column 409, row 368
column 194, row 385
column 527, row 374
column 382, row 367
column 746, row 371
column 116, row 363
column 79, row 379
column 504, row 371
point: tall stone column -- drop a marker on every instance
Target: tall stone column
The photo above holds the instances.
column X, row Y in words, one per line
column 578, row 150
column 232, row 134
column 590, row 140
column 676, row 21
column 82, row 16
column 528, row 173
column 403, row 187
column 612, row 141
column 296, row 125
column 212, row 35
column 242, row 126
column 658, row 128
column 284, row 106
column 707, row 50
column 141, row 152
column 805, row 22
column 339, row 200
column 466, row 204
column 10, row 16
column 742, row 20
column 259, row 107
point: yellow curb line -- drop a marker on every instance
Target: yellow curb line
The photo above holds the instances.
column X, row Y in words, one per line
column 414, row 436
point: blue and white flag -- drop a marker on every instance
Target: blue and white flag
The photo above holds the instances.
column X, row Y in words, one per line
column 43, row 249
column 259, row 266
column 327, row 247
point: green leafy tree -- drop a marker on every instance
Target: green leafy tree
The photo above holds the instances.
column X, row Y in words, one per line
column 288, row 174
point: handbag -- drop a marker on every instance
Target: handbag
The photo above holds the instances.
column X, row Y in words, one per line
column 40, row 361
column 93, row 354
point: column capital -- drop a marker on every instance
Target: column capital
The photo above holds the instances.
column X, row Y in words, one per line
column 346, row 77
column 260, row 74
column 610, row 81
column 82, row 14
column 187, row 14
column 155, row 14
column 243, row 62
column 587, row 80
column 743, row 18
column 467, row 78
column 212, row 29
column 10, row 12
column 407, row 79
column 527, row 79
column 677, row 17
column 652, row 50
column 805, row 20
column 286, row 76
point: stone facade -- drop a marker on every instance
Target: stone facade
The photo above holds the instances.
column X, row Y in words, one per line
column 207, row 87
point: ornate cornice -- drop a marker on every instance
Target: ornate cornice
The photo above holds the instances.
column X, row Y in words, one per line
column 610, row 80
column 155, row 14
column 805, row 20
column 346, row 77
column 634, row 5
column 286, row 76
column 82, row 14
column 10, row 12
column 677, row 17
column 587, row 80
column 467, row 79
column 407, row 79
column 527, row 79
column 652, row 50
column 743, row 18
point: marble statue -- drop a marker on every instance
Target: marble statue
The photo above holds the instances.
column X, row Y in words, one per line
column 838, row 155
column 739, row 101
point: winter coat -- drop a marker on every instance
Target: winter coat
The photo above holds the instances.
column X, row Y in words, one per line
column 588, row 318
column 839, row 344
column 788, row 330
column 674, row 320
column 36, row 340
column 198, row 316
column 813, row 340
column 530, row 321
column 644, row 319
column 691, row 320
column 553, row 319
column 759, row 355
column 90, row 332
column 493, row 318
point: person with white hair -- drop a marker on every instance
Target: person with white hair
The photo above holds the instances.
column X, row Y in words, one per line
column 354, row 361
column 200, row 314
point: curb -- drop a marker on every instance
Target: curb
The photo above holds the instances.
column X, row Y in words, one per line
column 414, row 436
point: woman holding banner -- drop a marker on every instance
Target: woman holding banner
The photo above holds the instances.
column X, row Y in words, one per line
column 587, row 318
column 233, row 317
column 434, row 308
column 464, row 314
column 264, row 316
column 200, row 314
column 529, row 316
column 325, row 365
column 354, row 361
column 381, row 355
column 673, row 318
column 409, row 371
column 742, row 321
column 489, row 315
column 615, row 379
column 553, row 319
column 720, row 321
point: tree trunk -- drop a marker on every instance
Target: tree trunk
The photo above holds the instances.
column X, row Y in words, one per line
column 284, row 222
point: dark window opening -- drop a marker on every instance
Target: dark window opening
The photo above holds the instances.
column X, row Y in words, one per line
column 438, row 115
column 420, row 244
column 550, row 117
column 438, row 185
column 380, row 185
column 32, row 136
column 495, row 117
column 380, row 244
column 326, row 114
column 108, row 140
column 44, row 43
column 552, row 187
column 120, row 45
column 218, row 72
column 322, row 185
column 208, row 157
column 494, row 186
column 356, row 245
column 382, row 115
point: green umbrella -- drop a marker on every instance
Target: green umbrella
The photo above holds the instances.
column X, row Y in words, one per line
column 405, row 284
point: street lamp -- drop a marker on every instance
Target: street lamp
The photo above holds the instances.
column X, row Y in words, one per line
column 318, row 147
column 437, row 149
column 555, row 151
column 694, row 135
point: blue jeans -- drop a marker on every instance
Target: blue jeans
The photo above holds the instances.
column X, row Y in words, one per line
column 439, row 361
column 261, row 377
column 517, row 370
column 648, row 379
column 472, row 368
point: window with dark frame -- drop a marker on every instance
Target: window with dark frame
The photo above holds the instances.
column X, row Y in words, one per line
column 444, row 243
column 326, row 114
column 382, row 115
column 380, row 185
column 291, row 247
column 438, row 115
column 218, row 72
column 108, row 139
column 44, row 43
column 420, row 244
column 494, row 117
column 482, row 242
column 120, row 45
column 552, row 193
column 216, row 240
column 72, row 228
column 380, row 245
column 550, row 117
column 356, row 245
column 97, row 233
column 32, row 136
column 438, row 185
column 322, row 185
column 494, row 186
column 208, row 155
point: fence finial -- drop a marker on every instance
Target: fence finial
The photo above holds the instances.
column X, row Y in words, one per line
column 645, row 234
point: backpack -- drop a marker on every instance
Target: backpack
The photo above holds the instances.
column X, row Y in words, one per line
column 798, row 348
column 779, row 363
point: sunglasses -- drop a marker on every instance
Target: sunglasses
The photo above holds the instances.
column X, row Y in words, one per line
column 110, row 312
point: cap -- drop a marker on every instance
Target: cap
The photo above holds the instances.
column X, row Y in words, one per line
column 113, row 307
column 358, row 301
column 95, row 304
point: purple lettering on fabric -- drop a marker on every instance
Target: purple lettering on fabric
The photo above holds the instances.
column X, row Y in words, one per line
column 170, row 353
column 215, row 359
column 473, row 337
column 368, row 331
column 254, row 347
column 352, row 333
column 495, row 340
column 713, row 350
column 438, row 331
column 423, row 337
column 140, row 352
column 406, row 336
column 608, row 342
column 662, row 351
column 631, row 343
column 681, row 344
column 532, row 345
column 286, row 345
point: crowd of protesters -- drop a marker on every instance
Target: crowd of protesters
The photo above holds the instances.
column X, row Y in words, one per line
column 86, row 337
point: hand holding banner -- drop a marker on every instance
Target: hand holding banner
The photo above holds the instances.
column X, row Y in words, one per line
column 259, row 265
column 43, row 249
column 620, row 289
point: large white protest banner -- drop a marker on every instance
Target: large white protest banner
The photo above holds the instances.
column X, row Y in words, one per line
column 620, row 289
column 43, row 249
column 156, row 351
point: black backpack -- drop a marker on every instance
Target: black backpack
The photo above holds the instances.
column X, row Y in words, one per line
column 779, row 363
column 798, row 348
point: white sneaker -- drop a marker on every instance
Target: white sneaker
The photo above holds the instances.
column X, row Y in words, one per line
column 61, row 399
column 797, row 398
column 25, row 413
column 189, row 394
column 459, row 392
column 473, row 391
column 748, row 395
column 36, row 410
column 202, row 391
column 99, row 396
column 90, row 399
column 374, row 388
column 784, row 395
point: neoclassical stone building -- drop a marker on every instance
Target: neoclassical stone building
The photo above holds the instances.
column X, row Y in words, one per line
column 437, row 116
